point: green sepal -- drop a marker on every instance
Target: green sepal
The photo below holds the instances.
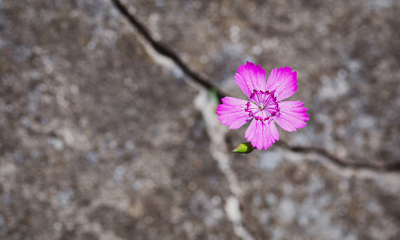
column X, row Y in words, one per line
column 245, row 147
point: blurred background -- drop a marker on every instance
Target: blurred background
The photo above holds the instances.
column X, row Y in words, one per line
column 107, row 132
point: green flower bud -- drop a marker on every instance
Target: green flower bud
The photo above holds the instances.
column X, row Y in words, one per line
column 245, row 147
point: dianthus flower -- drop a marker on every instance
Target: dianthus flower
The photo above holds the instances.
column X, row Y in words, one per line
column 265, row 105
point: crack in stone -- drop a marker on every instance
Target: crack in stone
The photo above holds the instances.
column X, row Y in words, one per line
column 392, row 166
column 167, row 53
column 218, row 147
column 217, row 133
column 219, row 151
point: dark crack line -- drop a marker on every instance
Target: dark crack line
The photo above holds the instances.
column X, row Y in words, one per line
column 165, row 51
column 390, row 166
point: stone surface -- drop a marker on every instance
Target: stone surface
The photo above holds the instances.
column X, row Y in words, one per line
column 103, row 138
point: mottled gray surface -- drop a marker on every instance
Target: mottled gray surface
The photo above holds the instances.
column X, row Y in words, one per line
column 101, row 137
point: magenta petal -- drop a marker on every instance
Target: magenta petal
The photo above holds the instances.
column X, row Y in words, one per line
column 274, row 131
column 251, row 130
column 262, row 134
column 292, row 116
column 250, row 77
column 283, row 82
column 232, row 112
column 239, row 122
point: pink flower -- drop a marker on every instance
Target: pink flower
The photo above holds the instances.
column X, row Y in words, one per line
column 265, row 105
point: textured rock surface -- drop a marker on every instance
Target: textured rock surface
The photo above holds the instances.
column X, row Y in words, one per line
column 103, row 138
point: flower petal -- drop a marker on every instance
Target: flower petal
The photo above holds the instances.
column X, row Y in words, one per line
column 262, row 134
column 283, row 82
column 292, row 115
column 250, row 77
column 232, row 112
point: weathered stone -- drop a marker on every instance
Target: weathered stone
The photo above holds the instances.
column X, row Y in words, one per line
column 102, row 138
